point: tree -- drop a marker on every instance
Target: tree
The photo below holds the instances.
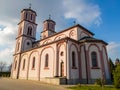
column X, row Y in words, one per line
column 9, row 67
column 112, row 67
column 2, row 65
column 117, row 61
column 116, row 76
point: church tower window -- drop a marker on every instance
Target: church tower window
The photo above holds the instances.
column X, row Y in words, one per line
column 31, row 17
column 94, row 59
column 26, row 15
column 18, row 46
column 73, row 60
column 33, row 63
column 23, row 64
column 29, row 32
column 46, row 60
column 20, row 31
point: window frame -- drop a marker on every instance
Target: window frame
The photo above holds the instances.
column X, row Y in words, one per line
column 73, row 60
column 94, row 60
column 46, row 64
column 29, row 31
column 24, row 61
column 33, row 63
column 18, row 46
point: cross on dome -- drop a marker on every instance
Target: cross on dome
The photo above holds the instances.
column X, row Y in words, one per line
column 49, row 16
column 30, row 6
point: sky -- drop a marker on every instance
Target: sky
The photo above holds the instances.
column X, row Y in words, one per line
column 102, row 17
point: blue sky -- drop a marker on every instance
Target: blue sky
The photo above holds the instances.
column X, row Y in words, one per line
column 101, row 17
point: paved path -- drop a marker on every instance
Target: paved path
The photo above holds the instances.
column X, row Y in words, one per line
column 13, row 84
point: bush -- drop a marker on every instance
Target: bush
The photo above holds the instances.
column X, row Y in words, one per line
column 79, row 85
column 4, row 74
column 116, row 76
column 100, row 82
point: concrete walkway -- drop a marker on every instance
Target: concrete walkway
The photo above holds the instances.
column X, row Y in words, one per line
column 16, row 84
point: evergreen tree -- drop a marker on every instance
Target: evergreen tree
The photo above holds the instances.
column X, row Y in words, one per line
column 111, row 68
column 116, row 76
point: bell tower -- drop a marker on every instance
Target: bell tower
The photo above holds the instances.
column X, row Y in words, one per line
column 26, row 30
column 49, row 28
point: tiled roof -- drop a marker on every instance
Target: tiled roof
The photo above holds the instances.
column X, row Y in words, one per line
column 91, row 39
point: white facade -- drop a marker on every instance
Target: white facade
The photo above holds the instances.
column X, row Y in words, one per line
column 72, row 54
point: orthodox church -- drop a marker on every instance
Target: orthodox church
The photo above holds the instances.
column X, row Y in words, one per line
column 70, row 56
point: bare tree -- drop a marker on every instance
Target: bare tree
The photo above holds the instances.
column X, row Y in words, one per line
column 9, row 67
column 2, row 65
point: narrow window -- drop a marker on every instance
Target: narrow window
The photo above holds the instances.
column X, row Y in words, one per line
column 23, row 64
column 26, row 16
column 48, row 25
column 29, row 32
column 31, row 16
column 18, row 46
column 20, row 31
column 46, row 60
column 73, row 59
column 15, row 65
column 94, row 59
column 33, row 63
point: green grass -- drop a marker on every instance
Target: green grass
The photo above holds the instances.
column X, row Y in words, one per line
column 84, row 87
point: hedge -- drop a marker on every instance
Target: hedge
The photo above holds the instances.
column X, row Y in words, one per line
column 5, row 74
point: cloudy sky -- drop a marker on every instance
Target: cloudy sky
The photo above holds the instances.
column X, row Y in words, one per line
column 101, row 17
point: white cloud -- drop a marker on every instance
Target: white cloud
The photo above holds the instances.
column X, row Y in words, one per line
column 8, row 34
column 113, row 49
column 7, row 40
column 84, row 12
column 112, row 46
column 60, row 10
column 6, row 55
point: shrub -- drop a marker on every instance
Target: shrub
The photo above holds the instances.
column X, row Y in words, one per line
column 100, row 82
column 4, row 74
column 79, row 85
column 116, row 76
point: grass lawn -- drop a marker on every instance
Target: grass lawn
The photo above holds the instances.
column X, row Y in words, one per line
column 84, row 87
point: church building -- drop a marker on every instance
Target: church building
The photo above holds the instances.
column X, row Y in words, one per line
column 70, row 56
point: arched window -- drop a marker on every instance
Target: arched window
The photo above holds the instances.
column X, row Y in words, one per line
column 31, row 16
column 33, row 63
column 94, row 59
column 15, row 65
column 23, row 64
column 18, row 46
column 26, row 15
column 46, row 60
column 73, row 59
column 20, row 31
column 29, row 32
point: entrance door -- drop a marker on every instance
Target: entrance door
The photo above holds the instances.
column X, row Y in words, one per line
column 62, row 69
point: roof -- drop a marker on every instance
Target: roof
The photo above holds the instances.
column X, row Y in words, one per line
column 91, row 39
column 78, row 25
column 29, row 9
column 49, row 20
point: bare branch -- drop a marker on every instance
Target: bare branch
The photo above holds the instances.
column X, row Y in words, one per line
column 2, row 65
